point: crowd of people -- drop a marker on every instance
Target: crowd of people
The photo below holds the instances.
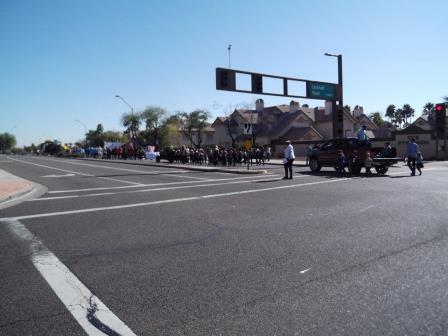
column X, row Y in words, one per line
column 221, row 156
column 123, row 152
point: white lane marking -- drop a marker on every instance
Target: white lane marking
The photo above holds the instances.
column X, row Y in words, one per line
column 304, row 271
column 88, row 310
column 150, row 190
column 186, row 176
column 57, row 176
column 156, row 184
column 71, row 212
column 154, row 172
column 73, row 172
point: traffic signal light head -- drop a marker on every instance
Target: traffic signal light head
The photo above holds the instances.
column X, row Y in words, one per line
column 225, row 79
column 440, row 107
column 440, row 118
column 257, row 83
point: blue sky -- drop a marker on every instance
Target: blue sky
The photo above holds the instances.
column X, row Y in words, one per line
column 66, row 60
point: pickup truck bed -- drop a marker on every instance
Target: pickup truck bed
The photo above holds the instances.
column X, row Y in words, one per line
column 328, row 155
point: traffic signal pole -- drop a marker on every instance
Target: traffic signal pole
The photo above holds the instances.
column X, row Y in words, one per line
column 440, row 111
column 444, row 141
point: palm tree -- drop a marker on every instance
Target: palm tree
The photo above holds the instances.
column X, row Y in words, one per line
column 408, row 112
column 398, row 117
column 390, row 112
column 428, row 109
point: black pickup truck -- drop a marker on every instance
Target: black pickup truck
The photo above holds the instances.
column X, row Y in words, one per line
column 328, row 155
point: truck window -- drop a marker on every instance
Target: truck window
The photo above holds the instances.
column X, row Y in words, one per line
column 328, row 145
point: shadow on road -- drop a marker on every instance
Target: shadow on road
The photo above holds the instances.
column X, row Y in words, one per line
column 334, row 174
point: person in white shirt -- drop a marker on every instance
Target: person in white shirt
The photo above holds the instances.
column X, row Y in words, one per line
column 288, row 160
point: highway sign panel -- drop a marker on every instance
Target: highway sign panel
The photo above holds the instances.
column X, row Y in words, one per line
column 318, row 90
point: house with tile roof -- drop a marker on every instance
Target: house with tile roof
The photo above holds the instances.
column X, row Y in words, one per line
column 281, row 122
column 274, row 124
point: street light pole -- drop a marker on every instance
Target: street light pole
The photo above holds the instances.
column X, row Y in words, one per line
column 124, row 101
column 85, row 129
column 132, row 112
column 339, row 57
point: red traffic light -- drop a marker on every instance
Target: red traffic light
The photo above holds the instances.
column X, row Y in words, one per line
column 440, row 107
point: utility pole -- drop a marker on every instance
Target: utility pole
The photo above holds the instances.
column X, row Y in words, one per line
column 229, row 48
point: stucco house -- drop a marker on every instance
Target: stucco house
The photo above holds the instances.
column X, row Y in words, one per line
column 293, row 122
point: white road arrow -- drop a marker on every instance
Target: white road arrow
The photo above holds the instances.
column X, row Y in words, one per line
column 57, row 176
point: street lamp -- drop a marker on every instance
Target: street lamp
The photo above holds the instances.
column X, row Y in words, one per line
column 339, row 57
column 124, row 101
column 85, row 128
column 132, row 110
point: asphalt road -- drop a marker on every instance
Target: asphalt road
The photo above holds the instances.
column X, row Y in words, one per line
column 178, row 252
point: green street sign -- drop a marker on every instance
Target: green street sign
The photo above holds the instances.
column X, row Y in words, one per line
column 318, row 90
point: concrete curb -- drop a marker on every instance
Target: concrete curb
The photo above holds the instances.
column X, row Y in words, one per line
column 14, row 188
column 176, row 166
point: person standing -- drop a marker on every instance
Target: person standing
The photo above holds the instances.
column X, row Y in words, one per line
column 308, row 152
column 288, row 160
column 411, row 155
column 368, row 163
column 387, row 150
column 419, row 162
column 362, row 134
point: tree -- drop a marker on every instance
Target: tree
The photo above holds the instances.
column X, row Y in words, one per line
column 171, row 129
column 99, row 129
column 192, row 125
column 94, row 137
column 408, row 113
column 390, row 112
column 377, row 118
column 348, row 108
column 153, row 117
column 398, row 117
column 131, row 122
column 113, row 136
column 7, row 142
column 428, row 109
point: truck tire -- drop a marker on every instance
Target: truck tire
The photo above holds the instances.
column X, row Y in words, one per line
column 354, row 169
column 382, row 169
column 315, row 165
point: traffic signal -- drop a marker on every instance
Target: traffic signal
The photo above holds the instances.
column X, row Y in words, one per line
column 340, row 115
column 338, row 122
column 257, row 83
column 440, row 118
column 225, row 79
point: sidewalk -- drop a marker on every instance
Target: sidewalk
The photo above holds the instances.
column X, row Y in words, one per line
column 12, row 187
column 241, row 169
